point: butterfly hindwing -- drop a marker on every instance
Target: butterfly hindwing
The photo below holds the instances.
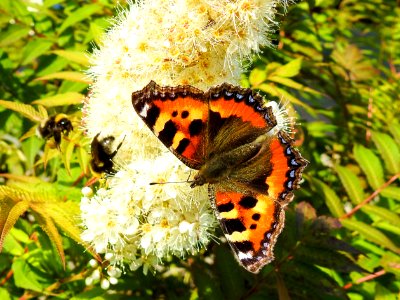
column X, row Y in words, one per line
column 178, row 117
column 251, row 223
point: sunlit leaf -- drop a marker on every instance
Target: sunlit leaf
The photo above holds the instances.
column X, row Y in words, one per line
column 70, row 98
column 28, row 277
column 370, row 233
column 351, row 183
column 291, row 69
column 79, row 15
column 71, row 76
column 383, row 213
column 333, row 202
column 26, row 110
column 34, row 49
column 74, row 56
column 370, row 164
column 389, row 151
column 256, row 77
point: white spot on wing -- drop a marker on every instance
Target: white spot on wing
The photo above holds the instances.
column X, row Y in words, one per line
column 143, row 112
column 243, row 255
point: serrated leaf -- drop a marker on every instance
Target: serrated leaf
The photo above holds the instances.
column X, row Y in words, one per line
column 27, row 277
column 12, row 216
column 26, row 110
column 351, row 183
column 48, row 226
column 332, row 200
column 13, row 34
column 74, row 56
column 389, row 151
column 70, row 98
column 79, row 15
column 4, row 294
column 370, row 233
column 290, row 69
column 257, row 76
column 394, row 129
column 67, row 75
column 383, row 213
column 370, row 164
column 391, row 192
column 34, row 49
column 12, row 246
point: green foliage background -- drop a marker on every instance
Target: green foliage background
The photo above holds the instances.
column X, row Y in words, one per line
column 337, row 62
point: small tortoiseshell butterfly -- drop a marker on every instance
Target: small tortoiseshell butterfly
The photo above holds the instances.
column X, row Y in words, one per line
column 225, row 133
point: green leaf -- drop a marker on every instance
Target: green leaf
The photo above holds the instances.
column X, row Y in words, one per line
column 381, row 293
column 370, row 164
column 12, row 246
column 333, row 202
column 13, row 34
column 389, row 151
column 12, row 216
column 232, row 283
column 290, row 69
column 391, row 263
column 351, row 183
column 46, row 223
column 74, row 56
column 391, row 192
column 26, row 110
column 257, row 76
column 394, row 129
column 70, row 98
column 35, row 49
column 67, row 75
column 26, row 276
column 370, row 233
column 4, row 294
column 383, row 213
column 79, row 15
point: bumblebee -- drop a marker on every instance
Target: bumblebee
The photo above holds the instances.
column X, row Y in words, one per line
column 54, row 127
column 102, row 154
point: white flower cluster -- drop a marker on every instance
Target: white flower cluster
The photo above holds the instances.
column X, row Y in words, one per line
column 201, row 43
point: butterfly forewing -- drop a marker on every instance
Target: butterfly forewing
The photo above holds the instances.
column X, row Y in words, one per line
column 178, row 117
column 236, row 117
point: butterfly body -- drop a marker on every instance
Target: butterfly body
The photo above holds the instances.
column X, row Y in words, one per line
column 226, row 134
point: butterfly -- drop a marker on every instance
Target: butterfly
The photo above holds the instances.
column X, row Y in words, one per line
column 226, row 133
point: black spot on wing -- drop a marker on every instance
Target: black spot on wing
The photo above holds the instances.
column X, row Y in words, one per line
column 248, row 202
column 152, row 115
column 167, row 134
column 184, row 114
column 182, row 145
column 195, row 127
column 233, row 225
column 256, row 217
column 244, row 247
column 227, row 207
